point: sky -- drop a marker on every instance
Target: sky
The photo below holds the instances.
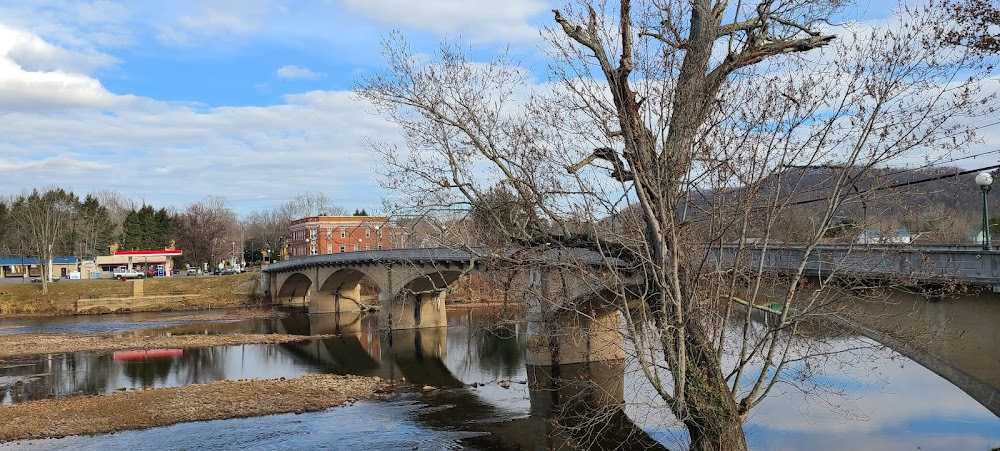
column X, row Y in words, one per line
column 170, row 102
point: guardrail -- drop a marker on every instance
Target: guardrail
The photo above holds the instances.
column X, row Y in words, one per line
column 917, row 264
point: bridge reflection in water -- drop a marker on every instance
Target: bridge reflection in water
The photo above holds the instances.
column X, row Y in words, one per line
column 564, row 400
column 957, row 337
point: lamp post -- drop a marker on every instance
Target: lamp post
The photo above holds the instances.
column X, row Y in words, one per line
column 985, row 182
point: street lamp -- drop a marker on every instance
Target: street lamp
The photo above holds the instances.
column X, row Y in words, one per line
column 985, row 182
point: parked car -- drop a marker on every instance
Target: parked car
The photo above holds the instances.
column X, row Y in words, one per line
column 228, row 271
column 130, row 274
column 192, row 271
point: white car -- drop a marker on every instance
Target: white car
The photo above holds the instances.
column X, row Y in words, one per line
column 130, row 274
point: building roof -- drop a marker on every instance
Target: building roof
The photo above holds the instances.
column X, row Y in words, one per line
column 341, row 220
column 149, row 253
column 7, row 261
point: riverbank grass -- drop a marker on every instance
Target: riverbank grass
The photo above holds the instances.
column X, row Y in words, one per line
column 193, row 293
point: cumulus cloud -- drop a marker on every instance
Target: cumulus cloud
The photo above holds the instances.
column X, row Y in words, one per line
column 290, row 72
column 36, row 75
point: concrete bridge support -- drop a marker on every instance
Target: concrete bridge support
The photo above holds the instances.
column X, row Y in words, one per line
column 412, row 310
column 574, row 337
column 344, row 299
column 570, row 320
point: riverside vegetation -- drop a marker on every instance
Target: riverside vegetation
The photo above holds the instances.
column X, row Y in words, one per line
column 212, row 292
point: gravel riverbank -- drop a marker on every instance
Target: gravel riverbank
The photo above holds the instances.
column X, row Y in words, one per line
column 164, row 406
column 33, row 344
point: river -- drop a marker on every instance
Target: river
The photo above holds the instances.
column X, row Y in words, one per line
column 875, row 398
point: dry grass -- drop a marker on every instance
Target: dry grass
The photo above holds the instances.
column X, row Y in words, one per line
column 212, row 292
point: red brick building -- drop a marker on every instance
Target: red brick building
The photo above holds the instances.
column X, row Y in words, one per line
column 320, row 235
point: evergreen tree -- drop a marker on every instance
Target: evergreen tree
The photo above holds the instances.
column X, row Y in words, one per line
column 147, row 228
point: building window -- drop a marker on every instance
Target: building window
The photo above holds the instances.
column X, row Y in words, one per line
column 378, row 233
column 379, row 246
column 329, row 248
column 368, row 233
column 329, row 234
column 342, row 249
column 343, row 233
column 312, row 250
column 355, row 248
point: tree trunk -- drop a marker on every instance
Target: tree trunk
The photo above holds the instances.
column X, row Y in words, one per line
column 710, row 414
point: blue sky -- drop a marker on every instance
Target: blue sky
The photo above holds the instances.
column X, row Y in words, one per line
column 168, row 102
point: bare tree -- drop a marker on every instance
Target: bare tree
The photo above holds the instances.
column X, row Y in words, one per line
column 42, row 221
column 93, row 230
column 696, row 110
column 270, row 227
column 118, row 208
column 204, row 230
column 310, row 204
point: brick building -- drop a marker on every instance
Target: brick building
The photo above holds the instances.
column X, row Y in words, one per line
column 319, row 235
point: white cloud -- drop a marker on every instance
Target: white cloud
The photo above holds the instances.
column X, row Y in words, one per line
column 78, row 24
column 477, row 20
column 290, row 72
column 36, row 75
column 196, row 23
column 32, row 53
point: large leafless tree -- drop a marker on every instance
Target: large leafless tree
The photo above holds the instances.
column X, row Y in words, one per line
column 672, row 128
column 42, row 221
column 204, row 230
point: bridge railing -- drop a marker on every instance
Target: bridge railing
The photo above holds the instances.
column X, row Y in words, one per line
column 934, row 264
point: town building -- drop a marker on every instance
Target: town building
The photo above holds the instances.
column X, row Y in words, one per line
column 29, row 267
column 155, row 262
column 320, row 235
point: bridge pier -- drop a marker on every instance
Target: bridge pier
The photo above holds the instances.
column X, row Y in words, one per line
column 574, row 337
column 345, row 299
column 569, row 320
column 412, row 310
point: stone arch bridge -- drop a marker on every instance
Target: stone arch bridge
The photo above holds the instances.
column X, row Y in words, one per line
column 413, row 285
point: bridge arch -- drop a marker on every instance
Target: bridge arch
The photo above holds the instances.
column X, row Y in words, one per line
column 420, row 301
column 341, row 291
column 294, row 290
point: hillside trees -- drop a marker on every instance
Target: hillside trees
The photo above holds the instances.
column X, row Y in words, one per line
column 683, row 114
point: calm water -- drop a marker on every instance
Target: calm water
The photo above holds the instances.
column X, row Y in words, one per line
column 888, row 400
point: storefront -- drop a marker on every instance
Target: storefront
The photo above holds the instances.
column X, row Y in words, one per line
column 155, row 263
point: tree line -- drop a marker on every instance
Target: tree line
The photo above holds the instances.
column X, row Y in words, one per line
column 45, row 223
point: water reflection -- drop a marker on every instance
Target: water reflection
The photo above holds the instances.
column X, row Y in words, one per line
column 487, row 398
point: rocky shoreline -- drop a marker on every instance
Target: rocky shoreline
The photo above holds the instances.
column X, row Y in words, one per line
column 34, row 344
column 141, row 409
